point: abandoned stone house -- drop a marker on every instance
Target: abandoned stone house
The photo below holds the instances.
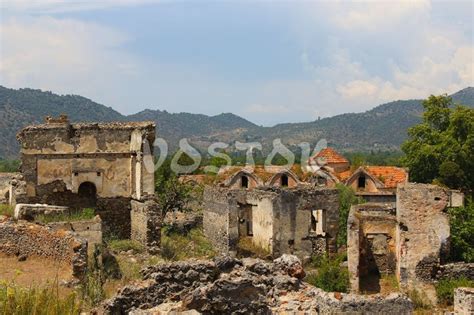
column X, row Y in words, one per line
column 99, row 165
column 409, row 239
column 288, row 210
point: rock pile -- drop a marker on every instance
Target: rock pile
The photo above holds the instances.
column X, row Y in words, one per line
column 248, row 286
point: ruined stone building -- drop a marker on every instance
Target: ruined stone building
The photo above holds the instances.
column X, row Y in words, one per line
column 98, row 165
column 271, row 208
column 409, row 239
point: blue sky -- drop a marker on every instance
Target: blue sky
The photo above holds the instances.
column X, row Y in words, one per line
column 269, row 62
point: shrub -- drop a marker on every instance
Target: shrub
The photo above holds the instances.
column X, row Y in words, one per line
column 176, row 246
column 419, row 299
column 45, row 300
column 6, row 210
column 445, row 289
column 330, row 276
column 246, row 247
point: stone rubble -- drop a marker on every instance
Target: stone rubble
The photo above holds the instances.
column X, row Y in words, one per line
column 249, row 286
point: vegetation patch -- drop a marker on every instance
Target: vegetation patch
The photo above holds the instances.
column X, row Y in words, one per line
column 329, row 274
column 45, row 300
column 85, row 214
column 126, row 245
column 445, row 289
column 6, row 210
column 347, row 198
column 177, row 246
column 420, row 300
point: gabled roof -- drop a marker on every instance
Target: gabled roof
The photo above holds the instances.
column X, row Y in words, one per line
column 330, row 155
column 384, row 176
column 389, row 175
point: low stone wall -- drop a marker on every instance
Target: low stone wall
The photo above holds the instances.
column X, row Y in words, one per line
column 464, row 301
column 29, row 212
column 456, row 270
column 32, row 240
column 146, row 224
column 248, row 286
column 91, row 230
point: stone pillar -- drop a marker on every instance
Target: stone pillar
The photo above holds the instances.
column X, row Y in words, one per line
column 422, row 235
column 146, row 224
column 464, row 301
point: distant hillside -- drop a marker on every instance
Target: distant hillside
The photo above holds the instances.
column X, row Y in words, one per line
column 383, row 127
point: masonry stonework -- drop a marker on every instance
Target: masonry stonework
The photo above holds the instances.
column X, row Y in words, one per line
column 277, row 220
column 146, row 224
column 97, row 165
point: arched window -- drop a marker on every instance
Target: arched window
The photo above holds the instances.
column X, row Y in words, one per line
column 88, row 193
column 244, row 182
column 361, row 182
column 284, row 180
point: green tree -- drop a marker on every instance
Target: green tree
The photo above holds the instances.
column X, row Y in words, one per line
column 347, row 198
column 441, row 148
column 462, row 232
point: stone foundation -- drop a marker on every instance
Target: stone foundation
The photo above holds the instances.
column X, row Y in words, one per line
column 29, row 212
column 146, row 224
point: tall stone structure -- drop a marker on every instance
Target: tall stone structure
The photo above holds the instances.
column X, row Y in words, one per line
column 99, row 165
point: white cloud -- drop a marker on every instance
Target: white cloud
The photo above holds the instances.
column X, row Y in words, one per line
column 377, row 15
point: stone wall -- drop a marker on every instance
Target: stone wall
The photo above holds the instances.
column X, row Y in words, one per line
column 29, row 212
column 280, row 219
column 247, row 286
column 464, row 301
column 371, row 240
column 146, row 224
column 31, row 240
column 90, row 230
column 423, row 235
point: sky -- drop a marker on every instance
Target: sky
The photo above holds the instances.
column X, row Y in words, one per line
column 267, row 61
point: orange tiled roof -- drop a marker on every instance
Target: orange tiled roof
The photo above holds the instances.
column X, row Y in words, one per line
column 331, row 156
column 343, row 176
column 389, row 175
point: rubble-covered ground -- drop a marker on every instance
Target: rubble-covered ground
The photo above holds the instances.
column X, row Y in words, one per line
column 247, row 286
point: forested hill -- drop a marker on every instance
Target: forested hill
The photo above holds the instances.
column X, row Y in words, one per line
column 383, row 127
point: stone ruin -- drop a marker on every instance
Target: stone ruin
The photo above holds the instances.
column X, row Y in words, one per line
column 249, row 286
column 409, row 239
column 93, row 165
column 300, row 221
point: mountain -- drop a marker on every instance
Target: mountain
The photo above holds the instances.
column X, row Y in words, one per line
column 383, row 127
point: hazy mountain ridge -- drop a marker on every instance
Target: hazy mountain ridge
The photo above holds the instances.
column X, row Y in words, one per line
column 382, row 127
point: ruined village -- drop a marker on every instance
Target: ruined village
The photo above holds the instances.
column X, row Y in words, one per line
column 165, row 157
column 264, row 229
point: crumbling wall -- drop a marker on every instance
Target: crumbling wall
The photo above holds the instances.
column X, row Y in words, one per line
column 247, row 286
column 90, row 230
column 33, row 240
column 281, row 218
column 146, row 224
column 371, row 244
column 29, row 212
column 422, row 234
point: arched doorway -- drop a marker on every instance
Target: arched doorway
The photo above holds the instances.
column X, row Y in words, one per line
column 88, row 194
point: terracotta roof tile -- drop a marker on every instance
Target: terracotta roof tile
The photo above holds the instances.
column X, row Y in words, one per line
column 331, row 156
column 389, row 175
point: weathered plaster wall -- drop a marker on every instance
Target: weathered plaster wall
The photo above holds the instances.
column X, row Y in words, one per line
column 281, row 219
column 422, row 234
column 5, row 186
